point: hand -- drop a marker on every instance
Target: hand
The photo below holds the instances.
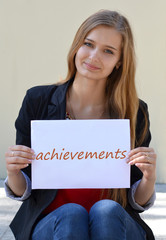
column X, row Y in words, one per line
column 145, row 159
column 18, row 157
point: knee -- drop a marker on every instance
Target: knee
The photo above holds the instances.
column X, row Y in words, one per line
column 73, row 210
column 73, row 222
column 106, row 208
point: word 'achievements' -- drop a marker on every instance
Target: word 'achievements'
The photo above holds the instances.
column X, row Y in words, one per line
column 80, row 154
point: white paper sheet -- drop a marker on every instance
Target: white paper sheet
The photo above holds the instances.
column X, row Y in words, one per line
column 80, row 154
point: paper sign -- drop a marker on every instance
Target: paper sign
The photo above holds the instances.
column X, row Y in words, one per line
column 80, row 154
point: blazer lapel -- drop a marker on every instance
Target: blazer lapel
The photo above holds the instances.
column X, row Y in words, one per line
column 57, row 105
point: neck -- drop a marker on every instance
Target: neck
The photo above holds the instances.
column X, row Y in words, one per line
column 88, row 92
column 86, row 99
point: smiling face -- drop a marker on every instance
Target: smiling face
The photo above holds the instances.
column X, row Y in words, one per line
column 99, row 54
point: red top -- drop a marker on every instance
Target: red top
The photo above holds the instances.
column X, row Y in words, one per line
column 84, row 197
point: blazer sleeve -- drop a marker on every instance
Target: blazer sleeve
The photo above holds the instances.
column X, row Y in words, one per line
column 22, row 125
column 142, row 119
column 33, row 106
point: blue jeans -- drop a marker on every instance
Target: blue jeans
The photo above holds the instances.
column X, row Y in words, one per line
column 107, row 220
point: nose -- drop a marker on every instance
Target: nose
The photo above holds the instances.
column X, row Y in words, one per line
column 94, row 55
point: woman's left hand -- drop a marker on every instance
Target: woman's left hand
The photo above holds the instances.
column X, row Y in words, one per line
column 145, row 159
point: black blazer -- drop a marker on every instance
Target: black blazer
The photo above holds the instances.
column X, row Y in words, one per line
column 49, row 103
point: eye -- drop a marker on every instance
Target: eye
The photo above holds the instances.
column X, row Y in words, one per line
column 88, row 44
column 108, row 51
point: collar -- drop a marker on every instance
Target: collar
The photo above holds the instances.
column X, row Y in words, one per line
column 57, row 105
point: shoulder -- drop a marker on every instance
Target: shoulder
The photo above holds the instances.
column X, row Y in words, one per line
column 142, row 111
column 46, row 91
column 41, row 91
column 42, row 94
column 142, row 105
column 143, row 135
column 35, row 100
column 37, row 97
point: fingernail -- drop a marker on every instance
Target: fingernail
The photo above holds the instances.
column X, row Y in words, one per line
column 131, row 163
column 32, row 151
column 127, row 159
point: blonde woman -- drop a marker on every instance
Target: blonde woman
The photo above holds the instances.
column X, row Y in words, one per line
column 100, row 84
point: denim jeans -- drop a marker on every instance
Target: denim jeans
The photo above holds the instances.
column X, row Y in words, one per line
column 107, row 220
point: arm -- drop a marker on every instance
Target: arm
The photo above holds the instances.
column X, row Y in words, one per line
column 26, row 194
column 145, row 159
column 134, row 204
column 18, row 157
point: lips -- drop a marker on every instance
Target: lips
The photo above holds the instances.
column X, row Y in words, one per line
column 91, row 66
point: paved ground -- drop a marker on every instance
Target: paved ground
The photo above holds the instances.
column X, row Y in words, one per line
column 154, row 217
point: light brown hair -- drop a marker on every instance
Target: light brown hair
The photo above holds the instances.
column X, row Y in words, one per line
column 120, row 89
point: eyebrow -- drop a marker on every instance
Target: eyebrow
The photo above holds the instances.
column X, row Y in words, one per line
column 105, row 46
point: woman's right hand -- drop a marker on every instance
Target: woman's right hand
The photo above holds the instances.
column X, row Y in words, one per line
column 18, row 157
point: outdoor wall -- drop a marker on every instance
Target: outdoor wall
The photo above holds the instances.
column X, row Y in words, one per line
column 35, row 37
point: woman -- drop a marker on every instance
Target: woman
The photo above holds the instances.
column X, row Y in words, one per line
column 99, row 85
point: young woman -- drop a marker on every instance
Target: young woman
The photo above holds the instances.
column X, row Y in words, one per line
column 100, row 84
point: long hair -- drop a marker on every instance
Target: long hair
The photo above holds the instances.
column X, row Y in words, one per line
column 121, row 95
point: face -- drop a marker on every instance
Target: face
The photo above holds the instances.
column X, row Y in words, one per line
column 99, row 54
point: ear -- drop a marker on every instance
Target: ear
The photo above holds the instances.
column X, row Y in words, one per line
column 118, row 64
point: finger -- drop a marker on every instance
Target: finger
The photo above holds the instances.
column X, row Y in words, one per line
column 20, row 151
column 143, row 166
column 140, row 159
column 27, row 155
column 149, row 159
column 141, row 156
column 140, row 149
column 148, row 170
column 16, row 167
column 17, row 160
column 21, row 148
column 146, row 156
column 137, row 155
